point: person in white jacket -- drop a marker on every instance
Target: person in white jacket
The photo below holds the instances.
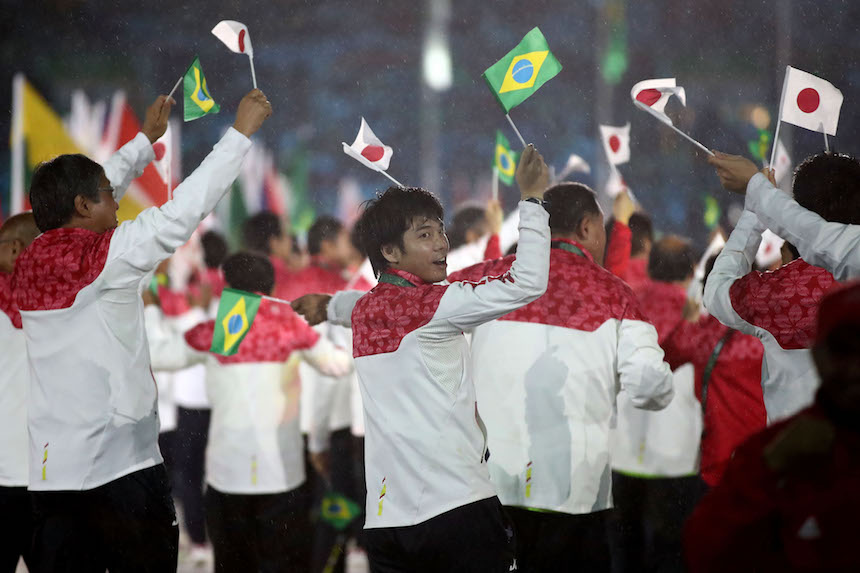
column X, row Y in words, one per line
column 431, row 505
column 100, row 491
column 832, row 244
column 547, row 376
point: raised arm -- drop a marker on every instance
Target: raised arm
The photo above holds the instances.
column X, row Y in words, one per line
column 138, row 246
column 832, row 246
column 620, row 239
column 734, row 262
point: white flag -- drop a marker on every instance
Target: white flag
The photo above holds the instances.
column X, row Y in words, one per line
column 769, row 250
column 782, row 164
column 616, row 143
column 809, row 102
column 163, row 150
column 652, row 96
column 368, row 149
column 615, row 184
column 235, row 36
column 714, row 247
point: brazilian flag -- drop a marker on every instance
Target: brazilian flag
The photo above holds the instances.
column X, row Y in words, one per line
column 236, row 312
column 505, row 160
column 338, row 510
column 522, row 71
column 198, row 102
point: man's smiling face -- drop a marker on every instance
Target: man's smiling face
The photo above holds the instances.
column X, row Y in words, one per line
column 425, row 248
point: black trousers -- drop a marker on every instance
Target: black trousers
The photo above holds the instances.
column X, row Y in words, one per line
column 554, row 542
column 645, row 528
column 192, row 431
column 343, row 466
column 265, row 533
column 127, row 525
column 477, row 537
column 16, row 528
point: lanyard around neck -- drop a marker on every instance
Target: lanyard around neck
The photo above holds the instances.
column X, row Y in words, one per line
column 394, row 280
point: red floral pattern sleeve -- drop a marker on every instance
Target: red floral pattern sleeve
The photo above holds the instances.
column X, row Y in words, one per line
column 7, row 302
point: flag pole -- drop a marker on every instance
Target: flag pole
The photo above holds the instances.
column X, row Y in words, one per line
column 826, row 143
column 16, row 201
column 517, row 131
column 179, row 81
column 396, row 182
column 495, row 194
column 253, row 73
column 691, row 140
column 273, row 299
column 775, row 140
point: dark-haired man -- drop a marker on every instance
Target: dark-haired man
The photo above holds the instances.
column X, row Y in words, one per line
column 779, row 307
column 102, row 498
column 547, row 376
column 256, row 504
column 266, row 233
column 430, row 504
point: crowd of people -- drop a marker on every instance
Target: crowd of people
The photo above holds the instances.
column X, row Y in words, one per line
column 585, row 402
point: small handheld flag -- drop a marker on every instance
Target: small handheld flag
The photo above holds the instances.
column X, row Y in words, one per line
column 616, row 143
column 653, row 95
column 575, row 164
column 505, row 160
column 338, row 510
column 198, row 102
column 236, row 37
column 368, row 150
column 236, row 312
column 810, row 102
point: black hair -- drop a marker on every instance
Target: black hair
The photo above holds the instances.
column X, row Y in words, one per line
column 56, row 184
column 464, row 219
column 671, row 259
column 257, row 231
column 709, row 266
column 829, row 184
column 641, row 231
column 795, row 254
column 385, row 219
column 568, row 204
column 325, row 228
column 214, row 249
column 251, row 272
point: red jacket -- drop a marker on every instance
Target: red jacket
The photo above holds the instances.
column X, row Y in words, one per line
column 757, row 520
column 618, row 261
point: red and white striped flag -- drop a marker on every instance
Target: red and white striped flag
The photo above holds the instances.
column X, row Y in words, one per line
column 810, row 102
column 652, row 96
column 616, row 143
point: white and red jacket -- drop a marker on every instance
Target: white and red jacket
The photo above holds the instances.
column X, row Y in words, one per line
column 778, row 307
column 547, row 376
column 425, row 443
column 254, row 444
column 14, row 387
column 92, row 413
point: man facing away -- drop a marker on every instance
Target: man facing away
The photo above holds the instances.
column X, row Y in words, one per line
column 101, row 494
column 430, row 504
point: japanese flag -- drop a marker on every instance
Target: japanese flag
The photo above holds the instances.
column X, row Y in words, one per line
column 652, row 96
column 163, row 150
column 616, row 143
column 615, row 184
column 809, row 102
column 769, row 250
column 782, row 163
column 235, row 36
column 368, row 149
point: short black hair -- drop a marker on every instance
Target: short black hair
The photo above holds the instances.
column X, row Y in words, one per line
column 57, row 182
column 251, row 272
column 464, row 219
column 671, row 259
column 257, row 231
column 829, row 184
column 386, row 218
column 325, row 228
column 568, row 204
column 709, row 266
column 214, row 249
column 641, row 231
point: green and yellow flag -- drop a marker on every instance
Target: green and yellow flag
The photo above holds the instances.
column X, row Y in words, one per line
column 522, row 71
column 338, row 510
column 236, row 312
column 505, row 161
column 198, row 102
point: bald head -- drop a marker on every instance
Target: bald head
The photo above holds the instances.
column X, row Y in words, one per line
column 16, row 234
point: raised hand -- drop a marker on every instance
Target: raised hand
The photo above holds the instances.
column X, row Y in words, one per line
column 254, row 109
column 734, row 171
column 532, row 174
column 313, row 307
column 495, row 216
column 623, row 207
column 157, row 114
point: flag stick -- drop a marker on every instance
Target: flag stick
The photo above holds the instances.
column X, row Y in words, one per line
column 691, row 140
column 826, row 143
column 495, row 194
column 396, row 182
column 517, row 131
column 179, row 81
column 253, row 73
column 273, row 299
column 775, row 140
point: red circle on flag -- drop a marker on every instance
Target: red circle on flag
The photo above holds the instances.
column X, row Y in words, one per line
column 373, row 153
column 242, row 41
column 808, row 100
column 649, row 97
column 614, row 143
column 159, row 149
